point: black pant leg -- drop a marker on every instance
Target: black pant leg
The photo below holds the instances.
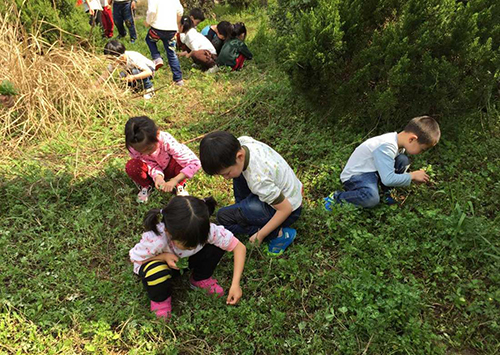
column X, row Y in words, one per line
column 204, row 262
column 157, row 279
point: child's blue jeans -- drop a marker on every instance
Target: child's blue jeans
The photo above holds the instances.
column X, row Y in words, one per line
column 249, row 214
column 168, row 39
column 362, row 190
column 145, row 84
column 122, row 12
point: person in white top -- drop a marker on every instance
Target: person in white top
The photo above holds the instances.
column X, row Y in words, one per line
column 379, row 159
column 164, row 17
column 268, row 194
column 100, row 14
column 139, row 70
column 201, row 50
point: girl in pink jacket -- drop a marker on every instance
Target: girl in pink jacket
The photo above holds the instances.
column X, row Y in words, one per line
column 157, row 159
column 185, row 231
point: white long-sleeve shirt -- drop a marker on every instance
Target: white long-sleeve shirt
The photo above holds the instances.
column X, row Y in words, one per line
column 377, row 154
column 162, row 14
column 195, row 41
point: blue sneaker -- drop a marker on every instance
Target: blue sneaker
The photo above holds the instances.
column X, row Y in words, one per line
column 278, row 245
column 132, row 40
column 388, row 199
column 329, row 201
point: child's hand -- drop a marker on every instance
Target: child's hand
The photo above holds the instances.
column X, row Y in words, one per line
column 159, row 182
column 171, row 260
column 130, row 78
column 419, row 176
column 183, row 54
column 169, row 186
column 254, row 239
column 234, row 295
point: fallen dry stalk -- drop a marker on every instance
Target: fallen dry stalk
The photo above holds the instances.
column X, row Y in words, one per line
column 56, row 86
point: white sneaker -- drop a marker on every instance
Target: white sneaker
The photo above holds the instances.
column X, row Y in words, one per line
column 181, row 190
column 179, row 83
column 143, row 195
column 213, row 69
column 150, row 93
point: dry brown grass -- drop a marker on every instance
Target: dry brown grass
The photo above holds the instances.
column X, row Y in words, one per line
column 56, row 86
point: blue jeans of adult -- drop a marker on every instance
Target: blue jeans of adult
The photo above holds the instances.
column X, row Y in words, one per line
column 122, row 13
column 142, row 84
column 168, row 39
column 249, row 213
column 362, row 190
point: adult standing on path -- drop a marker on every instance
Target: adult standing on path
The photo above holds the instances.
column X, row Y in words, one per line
column 122, row 15
column 164, row 17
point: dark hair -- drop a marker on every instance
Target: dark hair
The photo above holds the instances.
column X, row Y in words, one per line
column 218, row 151
column 425, row 128
column 141, row 129
column 225, row 28
column 197, row 14
column 114, row 48
column 186, row 219
column 186, row 24
column 238, row 29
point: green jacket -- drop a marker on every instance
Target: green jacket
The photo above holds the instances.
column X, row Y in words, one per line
column 231, row 50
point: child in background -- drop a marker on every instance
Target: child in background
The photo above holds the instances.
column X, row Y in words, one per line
column 217, row 34
column 202, row 52
column 122, row 14
column 197, row 16
column 139, row 69
column 100, row 13
column 94, row 9
column 107, row 19
column 157, row 158
column 379, row 160
column 164, row 17
column 268, row 194
column 235, row 51
column 185, row 231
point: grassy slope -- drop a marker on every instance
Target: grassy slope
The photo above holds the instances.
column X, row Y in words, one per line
column 421, row 278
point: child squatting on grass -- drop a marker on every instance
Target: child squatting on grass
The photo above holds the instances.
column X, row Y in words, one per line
column 217, row 34
column 201, row 50
column 235, row 51
column 157, row 158
column 379, row 159
column 139, row 70
column 184, row 232
column 268, row 194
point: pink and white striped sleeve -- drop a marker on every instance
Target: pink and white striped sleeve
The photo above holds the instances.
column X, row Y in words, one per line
column 182, row 154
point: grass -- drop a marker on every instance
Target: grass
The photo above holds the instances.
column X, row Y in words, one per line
column 419, row 279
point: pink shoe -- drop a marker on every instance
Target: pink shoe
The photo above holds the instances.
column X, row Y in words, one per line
column 163, row 310
column 210, row 285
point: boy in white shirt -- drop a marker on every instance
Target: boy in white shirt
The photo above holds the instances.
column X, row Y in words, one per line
column 379, row 160
column 164, row 17
column 139, row 69
column 267, row 192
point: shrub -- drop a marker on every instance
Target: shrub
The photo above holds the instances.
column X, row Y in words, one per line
column 391, row 59
column 46, row 17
